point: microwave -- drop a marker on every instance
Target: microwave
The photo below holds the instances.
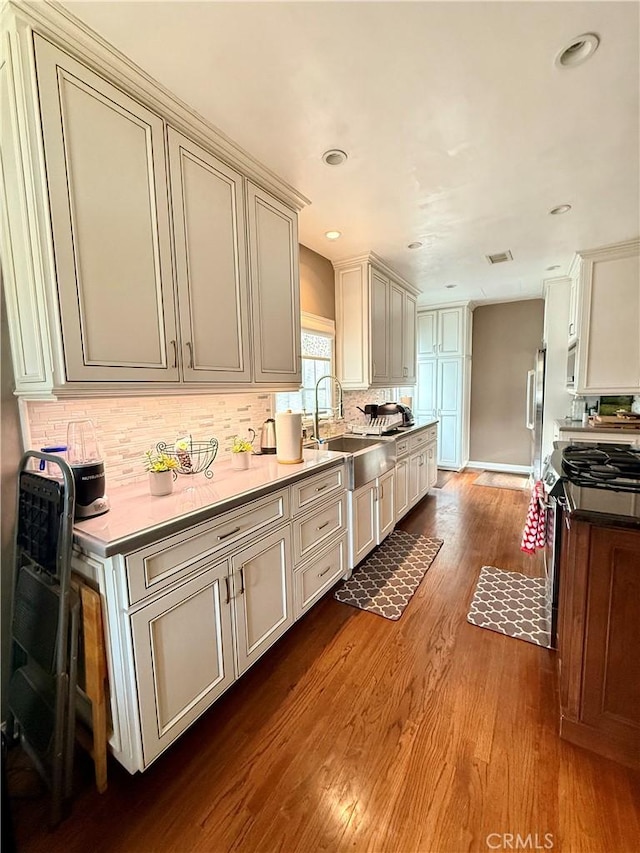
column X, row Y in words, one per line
column 571, row 365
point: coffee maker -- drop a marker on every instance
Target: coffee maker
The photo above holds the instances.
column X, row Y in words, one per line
column 87, row 466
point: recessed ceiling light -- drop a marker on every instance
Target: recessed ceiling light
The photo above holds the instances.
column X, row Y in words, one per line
column 553, row 267
column 577, row 51
column 416, row 245
column 333, row 235
column 561, row 208
column 334, row 157
column 450, row 286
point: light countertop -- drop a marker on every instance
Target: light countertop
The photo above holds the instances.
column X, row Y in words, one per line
column 567, row 425
column 136, row 518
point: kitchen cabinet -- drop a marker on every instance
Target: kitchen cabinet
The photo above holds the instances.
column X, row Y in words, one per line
column 443, row 392
column 211, row 269
column 599, row 640
column 262, row 595
column 444, row 331
column 371, row 516
column 608, row 318
column 148, row 254
column 416, row 468
column 375, row 325
column 574, row 305
column 275, row 289
column 183, row 652
column 402, row 488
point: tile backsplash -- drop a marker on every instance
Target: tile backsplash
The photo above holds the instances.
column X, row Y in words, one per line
column 127, row 426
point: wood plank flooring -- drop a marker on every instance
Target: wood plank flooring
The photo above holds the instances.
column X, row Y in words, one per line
column 355, row 733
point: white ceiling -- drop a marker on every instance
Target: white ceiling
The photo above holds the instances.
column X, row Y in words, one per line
column 461, row 132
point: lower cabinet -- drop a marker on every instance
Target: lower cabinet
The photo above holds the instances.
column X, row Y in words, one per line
column 402, row 487
column 599, row 640
column 315, row 577
column 183, row 653
column 371, row 516
column 262, row 596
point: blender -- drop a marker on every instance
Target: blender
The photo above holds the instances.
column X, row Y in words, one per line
column 88, row 469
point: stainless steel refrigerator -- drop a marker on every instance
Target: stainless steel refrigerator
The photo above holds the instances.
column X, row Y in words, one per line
column 535, row 405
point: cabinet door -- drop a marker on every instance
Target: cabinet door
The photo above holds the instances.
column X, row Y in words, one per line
column 106, row 176
column 211, row 269
column 409, row 340
column 427, row 400
column 362, row 518
column 432, row 466
column 263, row 596
column 402, row 488
column 379, row 328
column 183, row 652
column 416, row 476
column 385, row 510
column 449, row 400
column 275, row 289
column 573, row 310
column 611, row 668
column 427, row 333
column 450, row 332
column 396, row 334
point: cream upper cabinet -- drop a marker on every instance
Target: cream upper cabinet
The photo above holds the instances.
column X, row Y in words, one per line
column 443, row 331
column 106, row 182
column 211, row 268
column 609, row 320
column 375, row 325
column 275, row 289
column 145, row 252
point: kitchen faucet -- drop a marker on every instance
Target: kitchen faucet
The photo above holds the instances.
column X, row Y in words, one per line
column 316, row 413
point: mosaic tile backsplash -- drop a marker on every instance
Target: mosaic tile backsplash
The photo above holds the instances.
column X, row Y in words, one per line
column 127, row 426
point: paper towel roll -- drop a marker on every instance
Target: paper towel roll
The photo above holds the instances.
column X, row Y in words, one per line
column 289, row 437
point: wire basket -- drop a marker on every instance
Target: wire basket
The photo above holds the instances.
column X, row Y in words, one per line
column 196, row 457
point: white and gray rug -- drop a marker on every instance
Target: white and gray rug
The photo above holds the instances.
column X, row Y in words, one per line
column 500, row 480
column 386, row 580
column 513, row 604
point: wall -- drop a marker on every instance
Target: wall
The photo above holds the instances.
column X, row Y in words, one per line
column 10, row 458
column 317, row 284
column 505, row 339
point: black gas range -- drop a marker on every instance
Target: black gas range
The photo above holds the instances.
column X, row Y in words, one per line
column 598, row 481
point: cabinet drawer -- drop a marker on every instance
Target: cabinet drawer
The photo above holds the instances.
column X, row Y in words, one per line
column 161, row 564
column 423, row 437
column 315, row 489
column 402, row 446
column 318, row 528
column 313, row 579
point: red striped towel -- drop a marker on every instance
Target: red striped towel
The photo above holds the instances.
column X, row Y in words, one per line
column 534, row 535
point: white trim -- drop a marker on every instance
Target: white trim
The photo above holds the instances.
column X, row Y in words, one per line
column 316, row 323
column 500, row 467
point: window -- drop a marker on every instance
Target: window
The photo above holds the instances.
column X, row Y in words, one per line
column 318, row 338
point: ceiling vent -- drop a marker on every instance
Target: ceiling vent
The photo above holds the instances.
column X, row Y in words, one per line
column 499, row 257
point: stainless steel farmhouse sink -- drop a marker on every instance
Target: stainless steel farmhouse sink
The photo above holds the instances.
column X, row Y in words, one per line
column 369, row 457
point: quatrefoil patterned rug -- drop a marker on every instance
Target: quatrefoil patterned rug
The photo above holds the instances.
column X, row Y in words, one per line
column 386, row 580
column 513, row 604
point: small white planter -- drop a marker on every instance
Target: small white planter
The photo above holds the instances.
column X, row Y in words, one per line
column 241, row 461
column 160, row 483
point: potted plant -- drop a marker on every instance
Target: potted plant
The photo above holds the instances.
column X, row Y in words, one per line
column 161, row 472
column 241, row 451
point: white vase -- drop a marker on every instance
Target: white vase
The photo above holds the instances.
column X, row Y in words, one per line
column 241, row 461
column 160, row 483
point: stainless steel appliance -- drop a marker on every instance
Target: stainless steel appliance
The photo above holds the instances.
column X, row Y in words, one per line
column 88, row 469
column 397, row 409
column 586, row 481
column 268, row 436
column 535, row 406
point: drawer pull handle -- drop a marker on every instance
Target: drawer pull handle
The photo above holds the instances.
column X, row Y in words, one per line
column 190, row 348
column 230, row 533
column 322, row 526
column 226, row 583
column 323, row 486
column 241, row 580
column 322, row 574
column 174, row 344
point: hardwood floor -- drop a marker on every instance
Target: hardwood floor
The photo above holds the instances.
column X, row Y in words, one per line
column 356, row 733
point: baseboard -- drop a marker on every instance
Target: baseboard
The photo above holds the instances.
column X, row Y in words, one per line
column 500, row 467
